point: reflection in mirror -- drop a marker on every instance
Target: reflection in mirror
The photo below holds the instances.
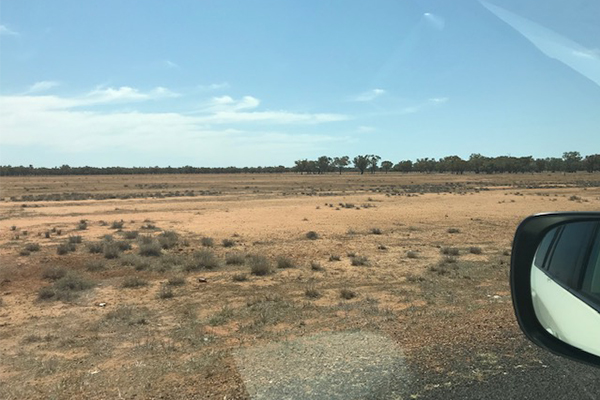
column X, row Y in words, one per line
column 565, row 284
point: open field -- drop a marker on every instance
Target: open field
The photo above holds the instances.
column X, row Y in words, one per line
column 184, row 286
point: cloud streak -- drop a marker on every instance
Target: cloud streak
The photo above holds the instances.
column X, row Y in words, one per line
column 369, row 95
column 5, row 31
column 42, row 86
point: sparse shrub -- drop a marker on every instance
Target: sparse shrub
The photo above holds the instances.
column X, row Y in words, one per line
column 129, row 315
column 168, row 239
column 448, row 260
column 47, row 234
column 31, row 247
column 129, row 235
column 165, row 292
column 221, row 317
column 453, row 230
column 382, row 247
column 574, row 198
column 202, row 259
column 75, row 239
column 24, row 253
column 347, row 294
column 239, row 277
column 285, row 262
column 134, row 282
column 122, row 245
column 228, row 243
column 59, row 232
column 412, row 254
column 136, row 261
column 54, row 273
column 312, row 293
column 146, row 239
column 450, row 251
column 316, row 266
column 176, row 281
column 351, row 254
column 13, row 228
column 152, row 249
column 360, row 261
column 82, row 226
column 235, row 259
column 334, row 257
column 74, row 282
column 259, row 265
column 376, row 231
column 95, row 247
column 149, row 226
column 312, row 235
column 414, row 278
column 117, row 224
column 65, row 248
column 111, row 251
column 108, row 238
column 95, row 265
column 46, row 293
column 475, row 250
column 207, row 241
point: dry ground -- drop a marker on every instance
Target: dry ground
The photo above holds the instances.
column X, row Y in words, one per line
column 174, row 336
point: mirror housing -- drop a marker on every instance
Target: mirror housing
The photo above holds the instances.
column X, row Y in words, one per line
column 528, row 237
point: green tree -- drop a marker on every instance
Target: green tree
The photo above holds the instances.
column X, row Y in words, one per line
column 386, row 165
column 323, row 164
column 373, row 160
column 572, row 161
column 404, row 166
column 341, row 162
column 361, row 163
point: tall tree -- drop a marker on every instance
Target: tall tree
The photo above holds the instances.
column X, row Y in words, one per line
column 323, row 164
column 361, row 162
column 386, row 165
column 572, row 160
column 341, row 162
column 373, row 160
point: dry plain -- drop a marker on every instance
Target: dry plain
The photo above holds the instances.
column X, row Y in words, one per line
column 168, row 277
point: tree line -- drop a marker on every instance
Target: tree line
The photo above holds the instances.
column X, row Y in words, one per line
column 571, row 161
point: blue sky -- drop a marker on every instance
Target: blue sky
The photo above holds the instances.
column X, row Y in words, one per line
column 246, row 83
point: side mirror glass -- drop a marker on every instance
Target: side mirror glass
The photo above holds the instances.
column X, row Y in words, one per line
column 555, row 282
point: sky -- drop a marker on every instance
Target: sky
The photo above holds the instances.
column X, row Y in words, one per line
column 219, row 83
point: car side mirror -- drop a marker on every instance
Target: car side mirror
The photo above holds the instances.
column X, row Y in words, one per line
column 555, row 283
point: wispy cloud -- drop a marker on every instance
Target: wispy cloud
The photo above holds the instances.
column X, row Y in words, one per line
column 42, row 86
column 365, row 129
column 170, row 64
column 4, row 30
column 582, row 60
column 431, row 102
column 214, row 86
column 435, row 20
column 369, row 95
column 225, row 127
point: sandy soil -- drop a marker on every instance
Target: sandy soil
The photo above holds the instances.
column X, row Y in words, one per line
column 145, row 345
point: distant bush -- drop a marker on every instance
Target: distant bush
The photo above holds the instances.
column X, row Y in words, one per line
column 65, row 248
column 95, row 265
column 151, row 249
column 130, row 235
column 285, row 262
column 65, row 288
column 239, row 277
column 117, row 224
column 312, row 293
column 108, row 238
column 453, row 230
column 111, row 251
column 75, row 239
column 82, row 226
column 312, row 235
column 235, row 259
column 32, row 247
column 134, row 282
column 334, row 257
column 376, row 231
column 53, row 273
column 475, row 250
column 316, row 266
column 168, row 239
column 448, row 260
column 24, row 253
column 347, row 294
column 450, row 251
column 95, row 247
column 359, row 261
column 207, row 241
column 165, row 292
column 412, row 254
column 122, row 245
column 202, row 259
column 228, row 243
column 259, row 265
column 176, row 281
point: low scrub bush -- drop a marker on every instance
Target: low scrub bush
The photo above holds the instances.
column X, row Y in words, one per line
column 176, row 281
column 31, row 247
column 117, row 224
column 129, row 235
column 66, row 288
column 202, row 259
column 334, row 257
column 134, row 282
column 453, row 230
column 152, row 249
column 235, row 259
column 111, row 251
column 95, row 265
column 168, row 239
column 376, row 231
column 316, row 266
column 82, row 226
column 360, row 261
column 207, row 241
column 95, row 247
column 65, row 248
column 259, row 265
column 284, row 262
column 54, row 273
column 475, row 250
column 312, row 235
column 239, row 277
column 312, row 293
column 412, row 254
column 75, row 239
column 165, row 292
column 347, row 294
column 228, row 243
column 450, row 251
